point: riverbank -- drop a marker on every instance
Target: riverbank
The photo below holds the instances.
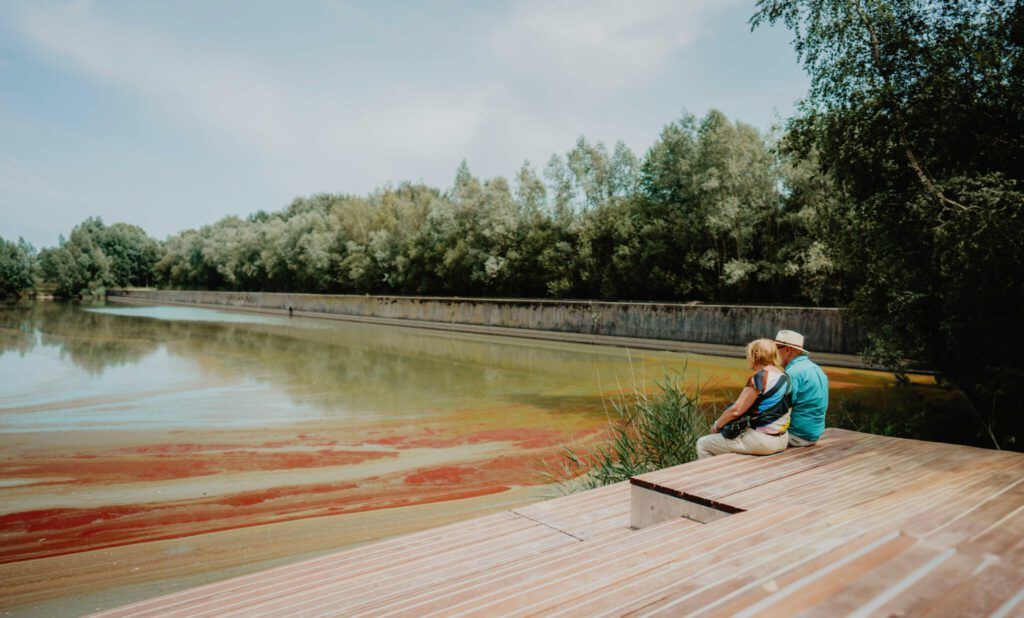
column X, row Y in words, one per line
column 717, row 330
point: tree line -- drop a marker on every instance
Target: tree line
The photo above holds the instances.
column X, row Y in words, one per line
column 714, row 211
column 896, row 190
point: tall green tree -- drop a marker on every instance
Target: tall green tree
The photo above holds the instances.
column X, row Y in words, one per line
column 17, row 267
column 95, row 256
column 132, row 254
column 708, row 216
column 916, row 108
column 77, row 264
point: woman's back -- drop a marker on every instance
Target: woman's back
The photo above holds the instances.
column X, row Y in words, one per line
column 770, row 411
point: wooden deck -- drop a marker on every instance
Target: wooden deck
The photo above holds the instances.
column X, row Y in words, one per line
column 858, row 525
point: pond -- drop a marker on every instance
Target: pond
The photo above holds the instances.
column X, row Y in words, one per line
column 146, row 449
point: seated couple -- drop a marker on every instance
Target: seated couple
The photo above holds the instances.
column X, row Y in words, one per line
column 777, row 407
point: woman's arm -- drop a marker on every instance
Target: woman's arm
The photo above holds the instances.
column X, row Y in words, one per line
column 736, row 410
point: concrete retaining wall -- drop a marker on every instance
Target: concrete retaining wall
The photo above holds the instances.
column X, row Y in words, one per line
column 825, row 329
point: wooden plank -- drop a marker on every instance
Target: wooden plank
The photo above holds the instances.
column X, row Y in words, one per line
column 540, row 588
column 994, row 589
column 341, row 595
column 606, row 510
column 396, row 550
column 565, row 561
column 863, row 516
column 756, row 472
column 896, row 584
column 797, row 584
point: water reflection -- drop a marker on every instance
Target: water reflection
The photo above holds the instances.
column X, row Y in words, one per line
column 263, row 364
column 179, row 360
column 91, row 341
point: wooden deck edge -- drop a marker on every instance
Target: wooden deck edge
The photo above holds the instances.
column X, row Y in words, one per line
column 682, row 495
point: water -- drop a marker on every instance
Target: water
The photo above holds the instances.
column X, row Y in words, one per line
column 128, row 435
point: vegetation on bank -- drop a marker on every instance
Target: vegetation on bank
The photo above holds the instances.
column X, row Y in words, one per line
column 713, row 211
column 895, row 191
column 92, row 258
column 687, row 221
column 646, row 431
column 17, row 267
column 95, row 256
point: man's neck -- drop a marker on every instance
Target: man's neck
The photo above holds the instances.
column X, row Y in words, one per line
column 794, row 359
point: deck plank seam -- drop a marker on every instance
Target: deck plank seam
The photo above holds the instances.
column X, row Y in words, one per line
column 543, row 523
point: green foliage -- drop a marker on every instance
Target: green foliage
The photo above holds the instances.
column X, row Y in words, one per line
column 17, row 267
column 648, row 431
column 710, row 219
column 934, row 413
column 705, row 215
column 915, row 109
column 96, row 256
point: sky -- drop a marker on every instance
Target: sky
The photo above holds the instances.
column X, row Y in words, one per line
column 171, row 115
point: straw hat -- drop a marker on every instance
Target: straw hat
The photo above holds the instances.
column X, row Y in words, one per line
column 790, row 338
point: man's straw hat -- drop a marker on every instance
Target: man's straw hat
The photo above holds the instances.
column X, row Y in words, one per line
column 790, row 338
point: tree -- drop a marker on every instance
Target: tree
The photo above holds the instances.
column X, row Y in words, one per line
column 916, row 108
column 812, row 237
column 132, row 252
column 708, row 212
column 95, row 256
column 77, row 264
column 17, row 267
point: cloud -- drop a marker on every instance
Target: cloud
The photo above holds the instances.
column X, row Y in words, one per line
column 548, row 62
column 309, row 136
column 214, row 88
column 603, row 44
column 572, row 67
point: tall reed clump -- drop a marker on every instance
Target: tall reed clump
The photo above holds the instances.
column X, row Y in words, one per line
column 646, row 431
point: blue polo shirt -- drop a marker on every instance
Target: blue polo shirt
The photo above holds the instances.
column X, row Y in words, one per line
column 809, row 386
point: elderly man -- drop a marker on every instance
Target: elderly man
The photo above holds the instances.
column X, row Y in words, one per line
column 809, row 387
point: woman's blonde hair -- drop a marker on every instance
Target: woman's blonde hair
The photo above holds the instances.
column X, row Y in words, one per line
column 762, row 352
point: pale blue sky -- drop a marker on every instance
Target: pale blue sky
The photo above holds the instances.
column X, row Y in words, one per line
column 172, row 115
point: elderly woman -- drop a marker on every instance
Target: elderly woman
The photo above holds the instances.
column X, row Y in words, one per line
column 760, row 415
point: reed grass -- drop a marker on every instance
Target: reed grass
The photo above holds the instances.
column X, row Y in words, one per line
column 646, row 431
